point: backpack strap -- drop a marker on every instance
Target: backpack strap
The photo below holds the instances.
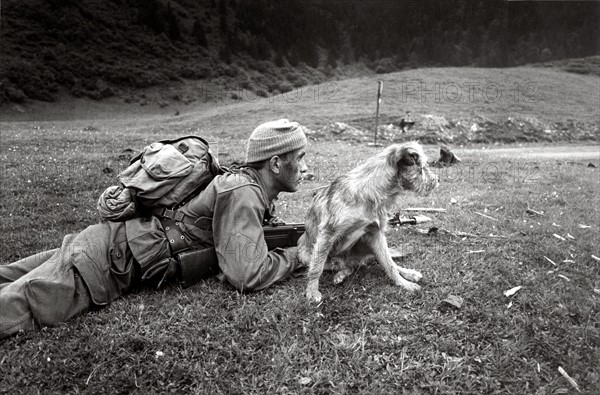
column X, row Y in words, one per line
column 174, row 236
column 174, row 215
column 171, row 221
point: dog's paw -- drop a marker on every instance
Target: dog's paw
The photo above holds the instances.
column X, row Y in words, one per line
column 338, row 278
column 411, row 287
column 411, row 275
column 341, row 276
column 314, row 296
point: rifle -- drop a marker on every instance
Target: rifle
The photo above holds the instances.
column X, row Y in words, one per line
column 277, row 235
column 287, row 235
column 195, row 265
column 283, row 235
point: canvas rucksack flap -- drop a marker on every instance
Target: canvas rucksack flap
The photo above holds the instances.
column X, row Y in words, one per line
column 196, row 180
column 156, row 172
column 164, row 161
column 166, row 172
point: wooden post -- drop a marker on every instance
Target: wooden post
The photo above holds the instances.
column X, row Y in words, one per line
column 379, row 89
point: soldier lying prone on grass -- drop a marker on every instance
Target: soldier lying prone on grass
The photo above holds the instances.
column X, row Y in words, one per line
column 110, row 259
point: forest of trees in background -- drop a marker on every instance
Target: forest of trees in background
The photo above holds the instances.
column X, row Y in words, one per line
column 93, row 47
column 457, row 33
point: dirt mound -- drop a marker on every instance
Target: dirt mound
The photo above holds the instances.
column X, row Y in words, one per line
column 436, row 129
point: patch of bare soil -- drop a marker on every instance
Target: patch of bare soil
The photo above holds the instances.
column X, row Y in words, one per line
column 435, row 129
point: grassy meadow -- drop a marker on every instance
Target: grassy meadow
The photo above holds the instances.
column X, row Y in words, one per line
column 516, row 216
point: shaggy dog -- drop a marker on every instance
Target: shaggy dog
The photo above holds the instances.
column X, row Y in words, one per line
column 346, row 224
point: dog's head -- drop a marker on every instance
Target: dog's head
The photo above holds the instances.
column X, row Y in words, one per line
column 413, row 171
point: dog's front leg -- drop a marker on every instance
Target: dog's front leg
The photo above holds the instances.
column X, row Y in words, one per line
column 321, row 250
column 380, row 248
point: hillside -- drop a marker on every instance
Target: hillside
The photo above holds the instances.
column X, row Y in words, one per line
column 115, row 48
column 452, row 105
column 449, row 105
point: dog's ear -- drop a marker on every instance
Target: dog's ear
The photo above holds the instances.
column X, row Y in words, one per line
column 407, row 156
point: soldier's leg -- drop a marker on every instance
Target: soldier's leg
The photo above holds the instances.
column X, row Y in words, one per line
column 50, row 294
column 13, row 271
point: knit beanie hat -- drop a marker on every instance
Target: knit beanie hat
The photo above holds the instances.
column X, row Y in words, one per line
column 274, row 138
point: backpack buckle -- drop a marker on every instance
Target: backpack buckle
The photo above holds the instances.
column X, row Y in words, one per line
column 173, row 214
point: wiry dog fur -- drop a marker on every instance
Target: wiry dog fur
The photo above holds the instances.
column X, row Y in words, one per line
column 347, row 221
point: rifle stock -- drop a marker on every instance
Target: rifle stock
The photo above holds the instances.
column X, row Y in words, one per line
column 282, row 236
column 195, row 265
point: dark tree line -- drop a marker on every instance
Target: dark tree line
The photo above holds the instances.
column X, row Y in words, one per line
column 92, row 48
column 490, row 33
column 412, row 32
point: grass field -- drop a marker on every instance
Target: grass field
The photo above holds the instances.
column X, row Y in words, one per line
column 367, row 336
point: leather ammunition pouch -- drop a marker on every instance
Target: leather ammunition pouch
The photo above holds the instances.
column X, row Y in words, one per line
column 162, row 271
column 187, row 265
column 196, row 265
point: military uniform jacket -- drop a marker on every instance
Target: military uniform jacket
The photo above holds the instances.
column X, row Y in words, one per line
column 228, row 215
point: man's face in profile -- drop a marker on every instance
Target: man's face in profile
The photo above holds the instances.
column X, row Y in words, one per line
column 292, row 167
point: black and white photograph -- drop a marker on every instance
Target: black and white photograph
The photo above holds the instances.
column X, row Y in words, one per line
column 299, row 197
